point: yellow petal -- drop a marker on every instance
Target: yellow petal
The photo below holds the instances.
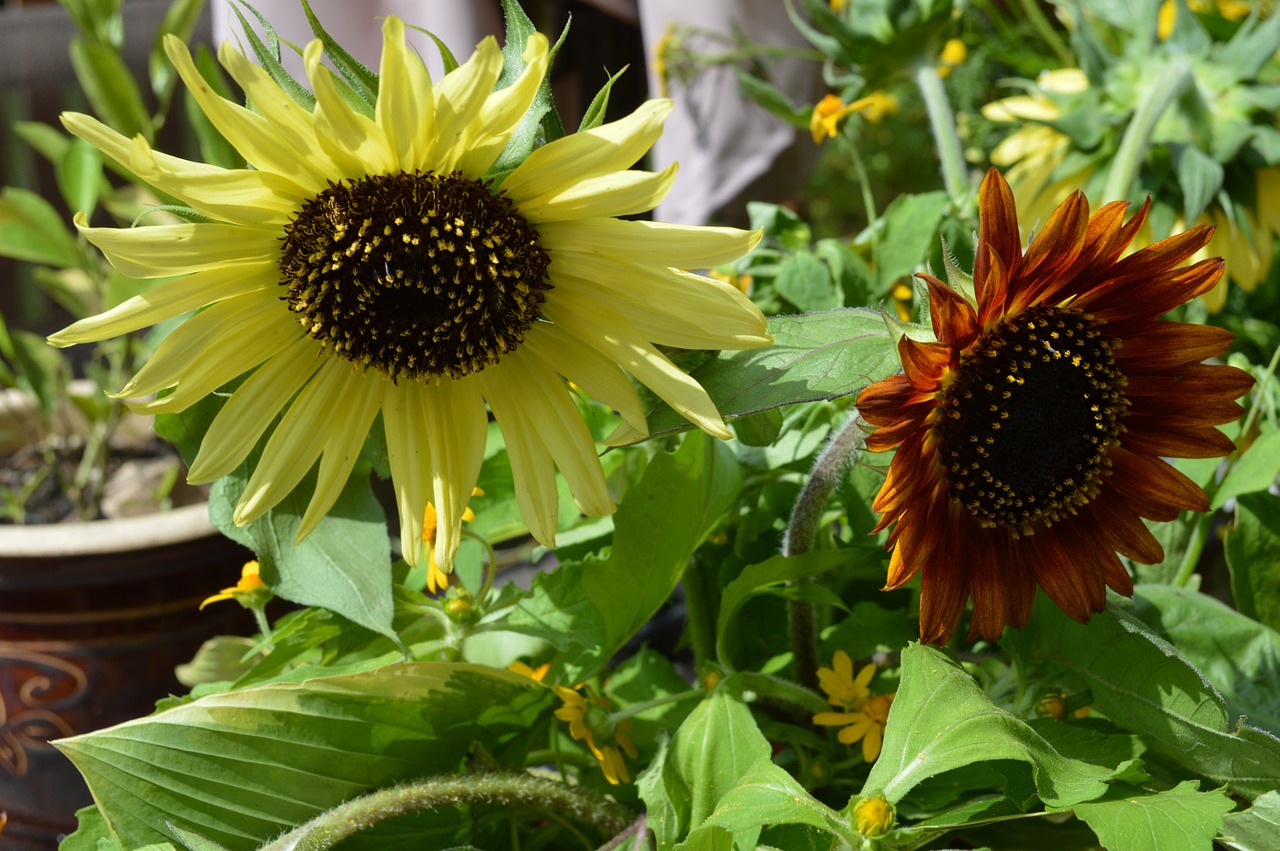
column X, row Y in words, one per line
column 589, row 369
column 532, row 467
column 353, row 408
column 459, row 98
column 606, row 149
column 455, row 425
column 678, row 246
column 252, row 408
column 171, row 299
column 503, row 110
column 158, row 251
column 297, row 441
column 613, row 337
column 260, row 140
column 403, row 110
column 252, row 326
column 404, row 407
column 619, row 193
column 355, row 143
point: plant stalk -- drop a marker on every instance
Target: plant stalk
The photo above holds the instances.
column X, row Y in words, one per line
column 943, row 123
column 1137, row 136
column 581, row 805
column 827, row 473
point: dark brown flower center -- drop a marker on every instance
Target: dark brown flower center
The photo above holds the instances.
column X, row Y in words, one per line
column 1028, row 418
column 414, row 275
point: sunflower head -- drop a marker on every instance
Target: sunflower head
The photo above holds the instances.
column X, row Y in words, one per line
column 1031, row 435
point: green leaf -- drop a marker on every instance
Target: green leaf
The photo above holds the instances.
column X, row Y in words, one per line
column 768, row 795
column 590, row 610
column 193, row 841
column 362, row 80
column 1255, row 470
column 708, row 756
column 772, row 99
column 1178, row 819
column 239, row 767
column 79, row 176
column 1256, row 828
column 758, row 578
column 1240, row 656
column 815, row 356
column 594, row 115
column 32, row 230
column 343, row 566
column 180, row 20
column 268, row 55
column 804, row 281
column 110, row 88
column 1143, row 684
column 1199, row 177
column 910, row 232
column 1253, row 551
column 942, row 720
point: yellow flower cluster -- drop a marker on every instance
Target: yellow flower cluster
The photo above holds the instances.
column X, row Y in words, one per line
column 586, row 717
column 865, row 713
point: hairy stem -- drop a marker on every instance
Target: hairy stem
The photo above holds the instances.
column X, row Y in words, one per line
column 942, row 122
column 828, row 471
column 1164, row 89
column 580, row 805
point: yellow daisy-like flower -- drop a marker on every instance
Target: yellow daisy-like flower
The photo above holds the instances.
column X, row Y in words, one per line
column 585, row 716
column 362, row 265
column 843, row 689
column 873, row 816
column 953, row 54
column 524, row 669
column 866, row 723
column 249, row 583
column 437, row 579
column 831, row 110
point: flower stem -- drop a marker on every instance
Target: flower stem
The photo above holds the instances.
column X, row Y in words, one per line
column 636, row 708
column 1164, row 89
column 331, row 827
column 827, row 473
column 943, row 123
column 700, row 588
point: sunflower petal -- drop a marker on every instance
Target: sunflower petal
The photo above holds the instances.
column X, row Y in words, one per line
column 456, row 427
column 356, row 144
column 459, row 98
column 504, row 109
column 619, row 193
column 589, row 369
column 161, row 251
column 678, row 246
column 404, row 407
column 532, row 466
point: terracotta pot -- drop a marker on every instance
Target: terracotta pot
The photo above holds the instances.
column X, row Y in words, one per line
column 93, row 618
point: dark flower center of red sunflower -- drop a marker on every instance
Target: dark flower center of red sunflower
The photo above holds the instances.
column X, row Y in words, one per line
column 1028, row 417
column 414, row 275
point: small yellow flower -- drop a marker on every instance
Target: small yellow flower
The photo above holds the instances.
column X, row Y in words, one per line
column 740, row 282
column 867, row 724
column 250, row 583
column 902, row 295
column 437, row 579
column 873, row 816
column 1053, row 705
column 587, row 719
column 837, row 6
column 842, row 688
column 953, row 53
column 831, row 110
column 535, row 674
column 1166, row 18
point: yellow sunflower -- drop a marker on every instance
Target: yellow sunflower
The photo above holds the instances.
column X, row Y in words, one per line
column 363, row 265
column 1031, row 436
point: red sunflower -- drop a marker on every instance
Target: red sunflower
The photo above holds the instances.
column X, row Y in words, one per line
column 1030, row 435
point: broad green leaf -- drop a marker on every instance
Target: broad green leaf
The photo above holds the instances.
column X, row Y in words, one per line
column 179, row 19
column 589, row 610
column 33, row 231
column 768, row 795
column 758, row 578
column 710, row 755
column 91, row 834
column 941, row 720
column 1199, row 177
column 1253, row 551
column 1240, row 656
column 110, row 88
column 804, row 280
column 1256, row 828
column 79, row 176
column 1143, row 684
column 239, row 767
column 710, row 838
column 1255, row 471
column 344, row 565
column 1178, row 819
column 814, row 356
column 910, row 231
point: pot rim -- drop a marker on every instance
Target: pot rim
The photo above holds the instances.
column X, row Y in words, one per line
column 92, row 537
